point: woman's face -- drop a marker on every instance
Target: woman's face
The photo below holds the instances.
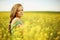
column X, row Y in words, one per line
column 20, row 11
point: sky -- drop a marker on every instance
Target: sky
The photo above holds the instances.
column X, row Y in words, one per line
column 31, row 5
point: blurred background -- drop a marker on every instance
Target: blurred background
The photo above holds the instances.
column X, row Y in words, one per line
column 41, row 19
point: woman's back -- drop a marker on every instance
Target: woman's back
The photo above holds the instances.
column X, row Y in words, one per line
column 16, row 22
column 15, row 28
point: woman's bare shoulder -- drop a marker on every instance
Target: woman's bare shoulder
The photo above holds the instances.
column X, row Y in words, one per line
column 14, row 20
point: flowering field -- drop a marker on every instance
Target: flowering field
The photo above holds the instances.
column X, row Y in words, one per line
column 37, row 26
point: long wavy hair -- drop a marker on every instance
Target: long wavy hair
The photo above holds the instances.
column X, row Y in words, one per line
column 13, row 14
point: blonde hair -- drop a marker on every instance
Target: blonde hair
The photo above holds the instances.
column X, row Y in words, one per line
column 13, row 14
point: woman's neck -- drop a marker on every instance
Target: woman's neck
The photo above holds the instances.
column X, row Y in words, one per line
column 17, row 17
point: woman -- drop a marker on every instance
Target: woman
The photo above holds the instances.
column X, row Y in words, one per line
column 15, row 20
